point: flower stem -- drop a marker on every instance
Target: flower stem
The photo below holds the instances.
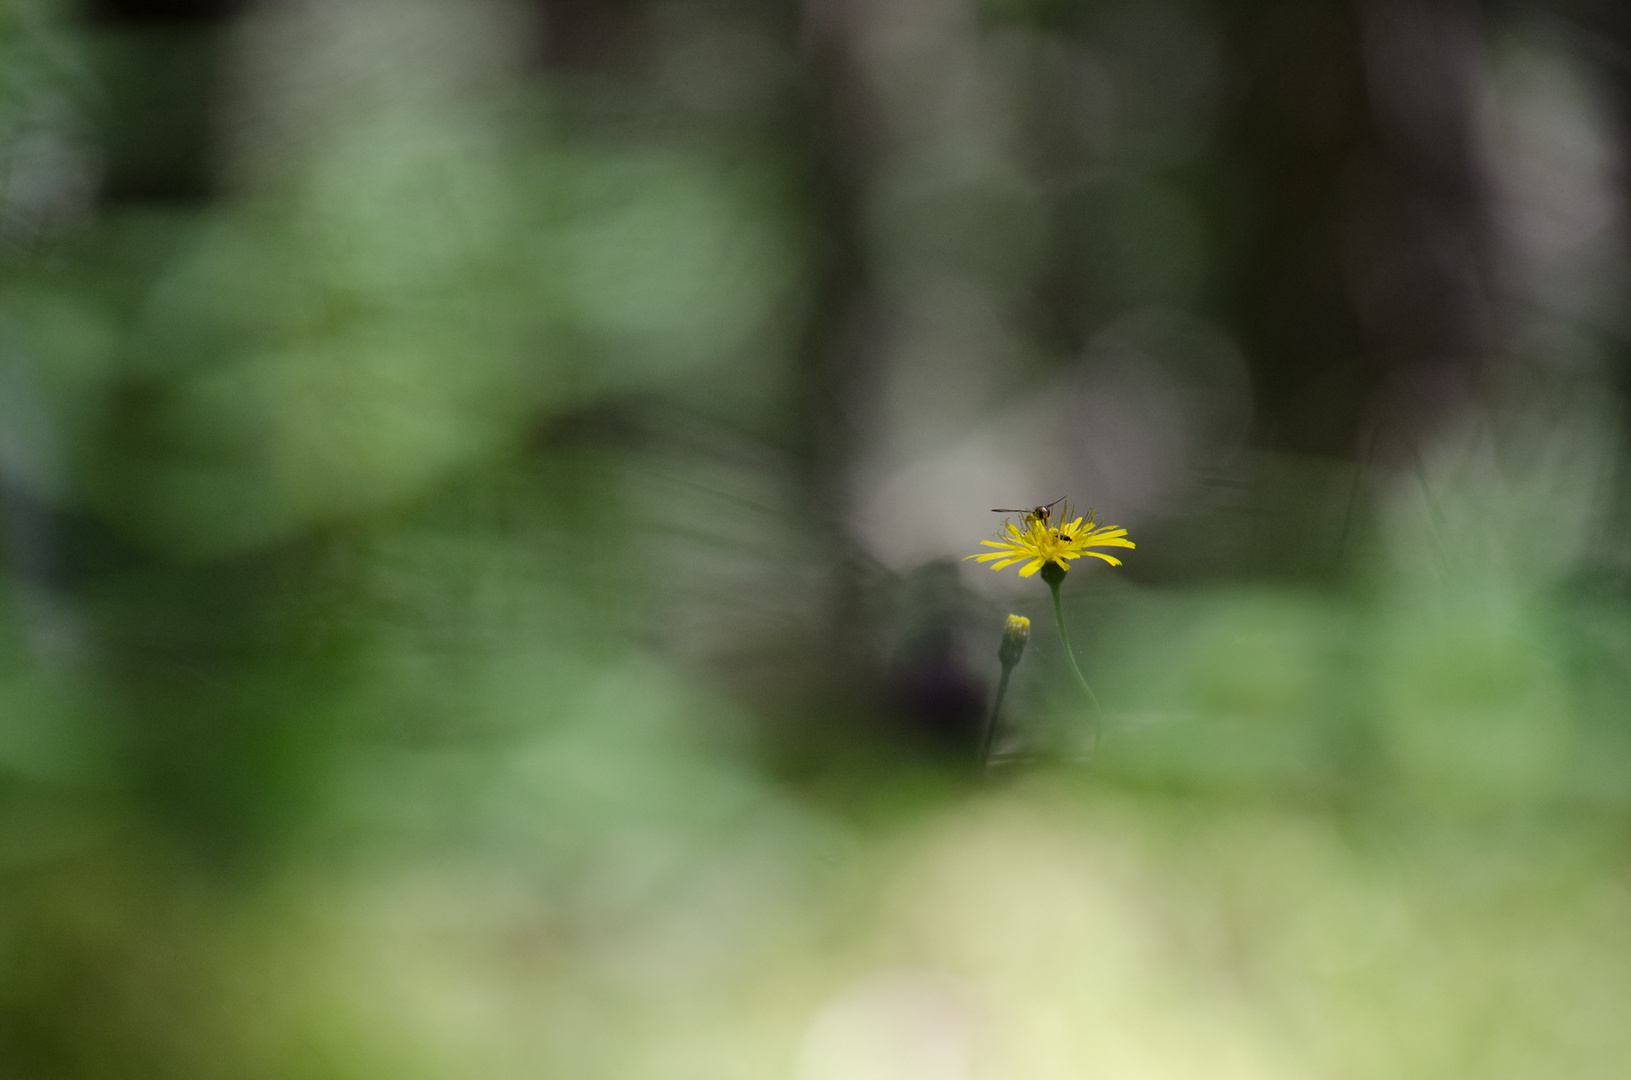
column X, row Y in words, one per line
column 1059, row 617
column 991, row 724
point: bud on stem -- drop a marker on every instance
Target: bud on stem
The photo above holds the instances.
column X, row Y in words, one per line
column 1015, row 634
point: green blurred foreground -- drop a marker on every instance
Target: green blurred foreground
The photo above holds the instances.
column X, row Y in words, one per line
column 379, row 700
column 1042, row 932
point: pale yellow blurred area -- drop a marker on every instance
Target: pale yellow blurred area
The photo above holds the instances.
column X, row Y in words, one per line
column 1032, row 932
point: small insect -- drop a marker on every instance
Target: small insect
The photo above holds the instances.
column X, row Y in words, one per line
column 1044, row 514
column 1065, row 532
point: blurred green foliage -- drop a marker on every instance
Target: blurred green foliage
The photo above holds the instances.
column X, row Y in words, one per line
column 477, row 597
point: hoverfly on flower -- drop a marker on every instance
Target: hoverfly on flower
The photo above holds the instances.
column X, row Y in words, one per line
column 1036, row 545
column 1036, row 542
column 1036, row 513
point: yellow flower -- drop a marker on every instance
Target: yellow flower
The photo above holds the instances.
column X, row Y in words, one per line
column 1036, row 544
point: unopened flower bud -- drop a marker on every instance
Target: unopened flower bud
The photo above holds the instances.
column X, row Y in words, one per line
column 1015, row 634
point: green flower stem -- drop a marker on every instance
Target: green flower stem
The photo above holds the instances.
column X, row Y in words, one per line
column 1059, row 617
column 991, row 724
